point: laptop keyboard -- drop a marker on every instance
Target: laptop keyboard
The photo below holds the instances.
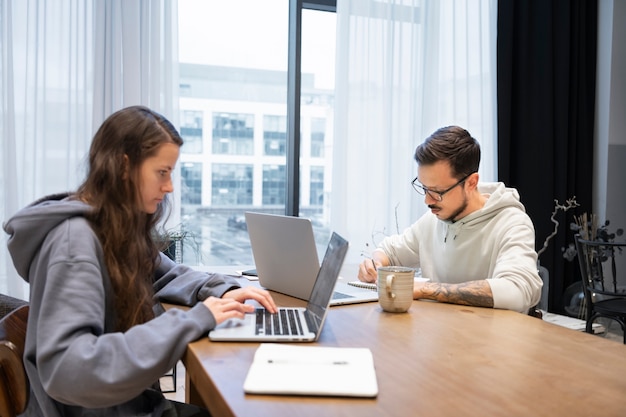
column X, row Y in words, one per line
column 285, row 322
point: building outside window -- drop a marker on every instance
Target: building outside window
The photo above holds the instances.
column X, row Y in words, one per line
column 191, row 131
column 233, row 134
column 237, row 85
column 316, row 193
column 191, row 183
column 273, row 185
column 231, row 185
column 274, row 135
column 318, row 132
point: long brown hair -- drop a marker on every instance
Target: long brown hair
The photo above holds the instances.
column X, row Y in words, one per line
column 119, row 147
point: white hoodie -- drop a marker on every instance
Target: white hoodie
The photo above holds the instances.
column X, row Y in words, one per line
column 496, row 243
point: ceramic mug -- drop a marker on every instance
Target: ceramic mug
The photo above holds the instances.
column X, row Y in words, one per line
column 395, row 288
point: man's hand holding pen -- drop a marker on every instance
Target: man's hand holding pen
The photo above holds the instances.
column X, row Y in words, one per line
column 368, row 269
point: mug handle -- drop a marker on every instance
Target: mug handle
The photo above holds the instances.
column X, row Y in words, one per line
column 388, row 284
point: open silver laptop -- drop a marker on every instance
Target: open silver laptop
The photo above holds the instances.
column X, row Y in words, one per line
column 291, row 324
column 286, row 260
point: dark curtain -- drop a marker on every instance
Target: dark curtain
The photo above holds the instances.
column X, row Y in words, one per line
column 546, row 69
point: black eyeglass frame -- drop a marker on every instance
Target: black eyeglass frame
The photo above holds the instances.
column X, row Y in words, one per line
column 436, row 195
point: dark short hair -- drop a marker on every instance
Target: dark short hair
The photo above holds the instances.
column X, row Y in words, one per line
column 454, row 145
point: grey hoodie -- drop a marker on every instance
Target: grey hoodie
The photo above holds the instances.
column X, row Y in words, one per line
column 76, row 362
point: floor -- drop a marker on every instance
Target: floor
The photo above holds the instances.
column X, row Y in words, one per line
column 167, row 384
column 613, row 332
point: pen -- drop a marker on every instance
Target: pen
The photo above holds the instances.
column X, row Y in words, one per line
column 374, row 264
column 288, row 362
column 370, row 258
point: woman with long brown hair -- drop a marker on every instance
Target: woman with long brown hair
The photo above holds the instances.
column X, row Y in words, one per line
column 94, row 344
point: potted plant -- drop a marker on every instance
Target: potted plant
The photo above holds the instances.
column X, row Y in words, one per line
column 543, row 271
column 172, row 242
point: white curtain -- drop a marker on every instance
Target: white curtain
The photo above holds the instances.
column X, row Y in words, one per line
column 136, row 57
column 65, row 66
column 405, row 68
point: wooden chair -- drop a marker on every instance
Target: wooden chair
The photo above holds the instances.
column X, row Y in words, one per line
column 14, row 387
column 599, row 275
column 8, row 304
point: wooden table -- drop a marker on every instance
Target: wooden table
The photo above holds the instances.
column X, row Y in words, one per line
column 435, row 360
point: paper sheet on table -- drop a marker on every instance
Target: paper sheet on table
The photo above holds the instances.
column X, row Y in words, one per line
column 312, row 370
column 250, row 274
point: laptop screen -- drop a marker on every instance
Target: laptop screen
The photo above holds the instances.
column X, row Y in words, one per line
column 327, row 278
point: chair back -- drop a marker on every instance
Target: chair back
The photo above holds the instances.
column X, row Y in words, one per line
column 8, row 304
column 14, row 386
column 598, row 267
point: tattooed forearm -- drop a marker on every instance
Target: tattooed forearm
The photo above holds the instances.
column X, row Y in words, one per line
column 472, row 293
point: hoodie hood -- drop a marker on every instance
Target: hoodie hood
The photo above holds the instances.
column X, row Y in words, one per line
column 29, row 227
column 499, row 197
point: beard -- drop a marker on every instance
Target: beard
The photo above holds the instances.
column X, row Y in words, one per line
column 452, row 217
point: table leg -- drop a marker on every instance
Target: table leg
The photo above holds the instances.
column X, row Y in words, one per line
column 191, row 393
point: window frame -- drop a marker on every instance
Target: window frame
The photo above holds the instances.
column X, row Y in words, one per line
column 294, row 76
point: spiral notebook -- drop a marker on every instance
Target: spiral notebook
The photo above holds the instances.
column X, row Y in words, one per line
column 373, row 286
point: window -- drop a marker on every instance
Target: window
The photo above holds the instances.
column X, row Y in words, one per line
column 318, row 129
column 191, row 131
column 274, row 135
column 316, row 194
column 231, row 184
column 274, row 185
column 238, row 82
column 191, row 174
column 233, row 134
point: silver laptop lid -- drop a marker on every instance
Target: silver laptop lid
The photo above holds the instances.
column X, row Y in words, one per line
column 284, row 251
column 314, row 314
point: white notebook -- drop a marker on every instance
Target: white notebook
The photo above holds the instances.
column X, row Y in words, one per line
column 312, row 370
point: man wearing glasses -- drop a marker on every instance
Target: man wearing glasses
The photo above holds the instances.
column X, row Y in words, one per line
column 476, row 245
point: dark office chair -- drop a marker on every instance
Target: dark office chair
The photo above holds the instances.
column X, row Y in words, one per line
column 14, row 386
column 599, row 275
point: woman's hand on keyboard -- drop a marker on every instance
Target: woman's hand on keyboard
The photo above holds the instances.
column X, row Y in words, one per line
column 225, row 308
column 253, row 293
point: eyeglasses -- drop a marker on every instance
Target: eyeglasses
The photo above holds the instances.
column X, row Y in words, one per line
column 435, row 195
